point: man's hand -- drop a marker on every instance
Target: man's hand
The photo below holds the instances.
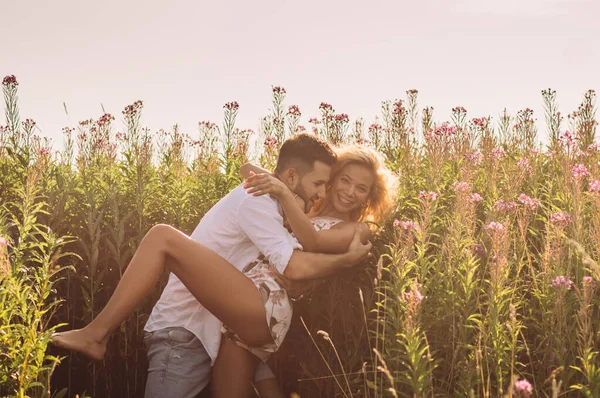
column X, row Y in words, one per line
column 357, row 251
column 295, row 289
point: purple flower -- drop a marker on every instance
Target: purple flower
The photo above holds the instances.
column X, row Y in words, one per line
column 405, row 225
column 595, row 186
column 524, row 165
column 495, row 228
column 560, row 219
column 523, row 388
column 562, row 282
column 498, row 153
column 428, row 196
column 475, row 157
column 461, row 186
column 503, row 206
column 529, row 202
column 580, row 171
column 479, row 249
column 475, row 198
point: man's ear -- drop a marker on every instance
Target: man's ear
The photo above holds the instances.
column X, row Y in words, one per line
column 291, row 177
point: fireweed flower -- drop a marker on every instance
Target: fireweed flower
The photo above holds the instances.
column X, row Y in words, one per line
column 3, row 242
column 10, row 80
column 474, row 157
column 588, row 280
column 232, row 106
column 461, row 186
column 495, row 228
column 524, row 165
column 270, row 141
column 498, row 153
column 428, row 196
column 326, row 107
column 405, row 225
column 504, row 206
column 561, row 282
column 294, row 110
column 475, row 198
column 479, row 249
column 524, row 388
column 561, row 219
column 595, row 186
column 413, row 296
column 593, row 147
column 529, row 202
column 580, row 171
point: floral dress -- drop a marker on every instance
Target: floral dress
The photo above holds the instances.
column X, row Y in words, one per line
column 275, row 299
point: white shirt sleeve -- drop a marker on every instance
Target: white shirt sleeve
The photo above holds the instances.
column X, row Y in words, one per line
column 260, row 220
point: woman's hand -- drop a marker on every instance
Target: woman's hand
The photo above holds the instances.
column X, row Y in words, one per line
column 261, row 184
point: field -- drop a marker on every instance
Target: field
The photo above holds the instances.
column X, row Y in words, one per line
column 483, row 284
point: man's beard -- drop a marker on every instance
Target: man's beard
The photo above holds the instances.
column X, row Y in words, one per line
column 308, row 202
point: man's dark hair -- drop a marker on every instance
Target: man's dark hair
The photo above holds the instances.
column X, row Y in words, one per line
column 302, row 151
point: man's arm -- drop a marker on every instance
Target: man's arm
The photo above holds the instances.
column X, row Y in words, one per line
column 260, row 220
column 304, row 266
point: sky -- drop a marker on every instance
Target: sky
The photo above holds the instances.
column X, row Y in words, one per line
column 185, row 59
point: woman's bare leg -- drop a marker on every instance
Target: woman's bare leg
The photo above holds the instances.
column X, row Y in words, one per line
column 269, row 388
column 233, row 372
column 219, row 286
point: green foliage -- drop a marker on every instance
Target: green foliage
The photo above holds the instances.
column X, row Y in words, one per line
column 452, row 305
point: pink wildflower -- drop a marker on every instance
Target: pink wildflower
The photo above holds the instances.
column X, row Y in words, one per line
column 588, row 280
column 270, row 141
column 529, row 202
column 461, row 186
column 326, row 107
column 503, row 206
column 405, row 225
column 523, row 388
column 580, row 171
column 562, row 282
column 475, row 157
column 595, row 147
column 414, row 296
column 595, row 186
column 495, row 227
column 524, row 165
column 475, row 198
column 561, row 219
column 428, row 196
column 294, row 110
column 232, row 106
column 498, row 153
column 10, row 80
column 3, row 242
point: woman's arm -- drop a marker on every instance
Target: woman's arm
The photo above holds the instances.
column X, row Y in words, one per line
column 260, row 184
column 338, row 238
column 246, row 168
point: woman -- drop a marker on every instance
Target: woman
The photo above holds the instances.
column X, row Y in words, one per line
column 360, row 190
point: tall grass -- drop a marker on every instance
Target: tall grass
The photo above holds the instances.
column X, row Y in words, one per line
column 484, row 281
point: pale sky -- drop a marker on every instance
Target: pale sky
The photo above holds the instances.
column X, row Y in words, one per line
column 186, row 58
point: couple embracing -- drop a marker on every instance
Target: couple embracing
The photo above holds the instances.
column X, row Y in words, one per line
column 228, row 302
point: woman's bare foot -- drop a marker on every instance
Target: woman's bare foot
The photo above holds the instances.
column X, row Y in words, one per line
column 80, row 340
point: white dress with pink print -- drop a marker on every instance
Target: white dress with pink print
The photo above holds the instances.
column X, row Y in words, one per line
column 275, row 299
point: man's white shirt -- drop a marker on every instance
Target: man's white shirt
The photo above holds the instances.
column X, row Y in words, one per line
column 238, row 228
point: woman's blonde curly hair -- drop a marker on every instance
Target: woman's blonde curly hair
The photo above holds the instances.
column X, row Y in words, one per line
column 382, row 195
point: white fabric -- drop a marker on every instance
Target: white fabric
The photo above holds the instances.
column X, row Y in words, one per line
column 239, row 227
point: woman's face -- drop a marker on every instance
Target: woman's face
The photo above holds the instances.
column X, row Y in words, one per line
column 351, row 188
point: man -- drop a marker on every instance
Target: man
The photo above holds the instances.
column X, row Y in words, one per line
column 182, row 337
